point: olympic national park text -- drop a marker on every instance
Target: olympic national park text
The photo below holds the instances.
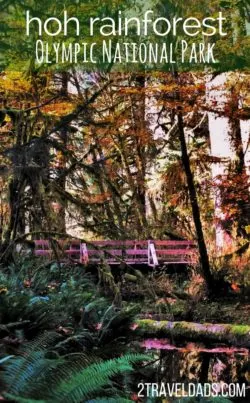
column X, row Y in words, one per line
column 146, row 40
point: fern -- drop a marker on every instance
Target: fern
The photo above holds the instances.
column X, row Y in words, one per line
column 98, row 400
column 217, row 399
column 109, row 400
column 89, row 381
column 71, row 379
column 21, row 371
column 22, row 399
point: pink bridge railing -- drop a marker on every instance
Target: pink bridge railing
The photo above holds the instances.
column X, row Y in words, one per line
column 151, row 252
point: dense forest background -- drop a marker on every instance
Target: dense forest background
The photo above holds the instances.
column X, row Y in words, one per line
column 126, row 156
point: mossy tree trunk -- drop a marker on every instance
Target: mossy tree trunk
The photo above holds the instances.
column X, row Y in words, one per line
column 204, row 260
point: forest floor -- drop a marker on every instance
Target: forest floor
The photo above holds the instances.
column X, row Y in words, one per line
column 163, row 297
column 236, row 312
column 165, row 316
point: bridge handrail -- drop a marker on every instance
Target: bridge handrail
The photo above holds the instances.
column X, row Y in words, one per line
column 154, row 251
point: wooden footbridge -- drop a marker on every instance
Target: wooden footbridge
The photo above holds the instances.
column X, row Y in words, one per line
column 151, row 253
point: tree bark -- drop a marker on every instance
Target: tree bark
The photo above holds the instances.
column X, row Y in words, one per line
column 239, row 168
column 204, row 260
column 61, row 218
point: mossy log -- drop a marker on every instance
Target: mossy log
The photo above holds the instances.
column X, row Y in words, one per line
column 230, row 334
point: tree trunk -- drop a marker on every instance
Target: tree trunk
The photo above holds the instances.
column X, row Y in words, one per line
column 204, row 260
column 239, row 168
column 61, row 217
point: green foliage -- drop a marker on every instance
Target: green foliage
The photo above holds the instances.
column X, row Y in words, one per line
column 17, row 48
column 23, row 370
column 90, row 381
column 68, row 303
column 51, row 367
column 44, row 296
column 32, row 375
column 217, row 399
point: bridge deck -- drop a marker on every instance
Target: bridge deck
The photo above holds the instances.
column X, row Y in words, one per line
column 151, row 252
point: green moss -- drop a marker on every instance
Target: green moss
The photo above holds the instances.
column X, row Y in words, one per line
column 190, row 330
column 146, row 323
column 240, row 330
column 152, row 326
column 179, row 308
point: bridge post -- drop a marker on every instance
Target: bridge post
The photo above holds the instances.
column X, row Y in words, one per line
column 149, row 252
column 152, row 253
column 84, row 257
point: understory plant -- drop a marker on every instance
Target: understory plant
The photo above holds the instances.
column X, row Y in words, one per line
column 82, row 353
column 39, row 374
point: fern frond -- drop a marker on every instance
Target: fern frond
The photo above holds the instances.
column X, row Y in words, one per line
column 216, row 399
column 41, row 343
column 118, row 326
column 110, row 400
column 3, row 360
column 82, row 385
column 23, row 376
column 21, row 371
column 21, row 399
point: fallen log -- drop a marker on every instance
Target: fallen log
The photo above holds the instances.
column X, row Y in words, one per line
column 163, row 344
column 230, row 334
